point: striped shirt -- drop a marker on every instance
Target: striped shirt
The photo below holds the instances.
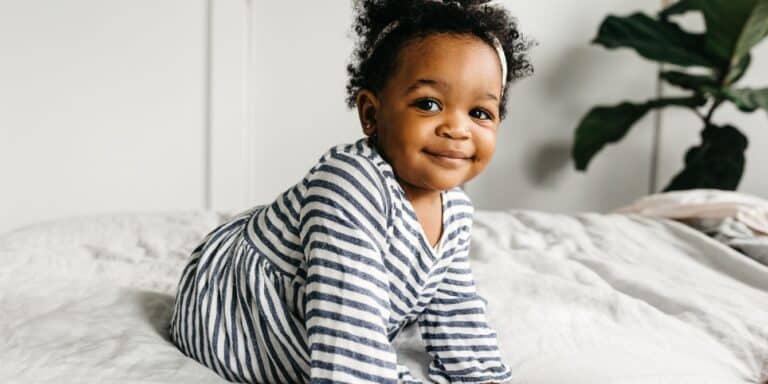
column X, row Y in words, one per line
column 314, row 286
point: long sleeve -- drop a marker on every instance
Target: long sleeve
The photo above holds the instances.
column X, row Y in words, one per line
column 343, row 223
column 463, row 347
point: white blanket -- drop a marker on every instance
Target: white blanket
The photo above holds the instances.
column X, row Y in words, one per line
column 578, row 299
column 750, row 210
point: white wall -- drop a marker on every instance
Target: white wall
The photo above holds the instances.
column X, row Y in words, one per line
column 299, row 97
column 101, row 107
column 110, row 105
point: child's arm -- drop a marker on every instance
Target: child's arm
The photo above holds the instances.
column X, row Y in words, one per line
column 457, row 335
column 343, row 230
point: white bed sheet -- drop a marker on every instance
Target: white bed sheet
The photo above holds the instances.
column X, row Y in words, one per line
column 579, row 299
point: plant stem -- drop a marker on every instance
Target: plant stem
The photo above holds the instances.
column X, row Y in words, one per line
column 720, row 80
column 699, row 114
column 714, row 106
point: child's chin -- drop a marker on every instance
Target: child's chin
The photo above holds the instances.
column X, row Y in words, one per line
column 445, row 184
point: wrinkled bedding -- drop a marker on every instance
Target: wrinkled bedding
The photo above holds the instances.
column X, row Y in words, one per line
column 736, row 219
column 575, row 298
column 734, row 234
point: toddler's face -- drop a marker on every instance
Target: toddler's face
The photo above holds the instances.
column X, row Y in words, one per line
column 437, row 116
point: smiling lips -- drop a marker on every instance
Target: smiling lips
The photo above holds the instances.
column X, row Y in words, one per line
column 448, row 158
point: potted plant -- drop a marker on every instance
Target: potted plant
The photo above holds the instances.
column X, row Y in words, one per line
column 722, row 53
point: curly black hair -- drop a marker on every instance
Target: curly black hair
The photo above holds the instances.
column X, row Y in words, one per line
column 421, row 18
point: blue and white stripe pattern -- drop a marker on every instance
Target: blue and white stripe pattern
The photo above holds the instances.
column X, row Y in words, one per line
column 315, row 286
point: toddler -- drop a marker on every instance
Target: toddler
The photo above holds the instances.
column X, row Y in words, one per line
column 314, row 286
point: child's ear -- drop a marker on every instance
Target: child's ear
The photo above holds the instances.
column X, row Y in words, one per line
column 367, row 107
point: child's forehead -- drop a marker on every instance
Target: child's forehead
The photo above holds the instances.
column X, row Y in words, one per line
column 448, row 58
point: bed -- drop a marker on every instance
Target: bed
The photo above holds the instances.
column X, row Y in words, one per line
column 583, row 298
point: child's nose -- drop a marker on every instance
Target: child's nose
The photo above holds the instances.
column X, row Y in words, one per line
column 454, row 127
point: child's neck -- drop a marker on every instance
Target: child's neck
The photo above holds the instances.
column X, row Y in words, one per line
column 418, row 195
column 428, row 205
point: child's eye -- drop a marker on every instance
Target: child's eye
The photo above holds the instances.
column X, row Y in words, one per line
column 487, row 115
column 425, row 104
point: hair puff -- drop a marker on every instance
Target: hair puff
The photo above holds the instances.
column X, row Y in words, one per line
column 370, row 67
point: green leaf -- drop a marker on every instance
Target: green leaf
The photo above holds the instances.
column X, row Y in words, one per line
column 603, row 125
column 754, row 30
column 718, row 162
column 733, row 26
column 677, row 8
column 655, row 40
column 738, row 70
column 687, row 80
column 607, row 124
column 690, row 102
column 748, row 99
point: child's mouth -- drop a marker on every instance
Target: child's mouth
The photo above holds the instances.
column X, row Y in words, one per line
column 448, row 158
